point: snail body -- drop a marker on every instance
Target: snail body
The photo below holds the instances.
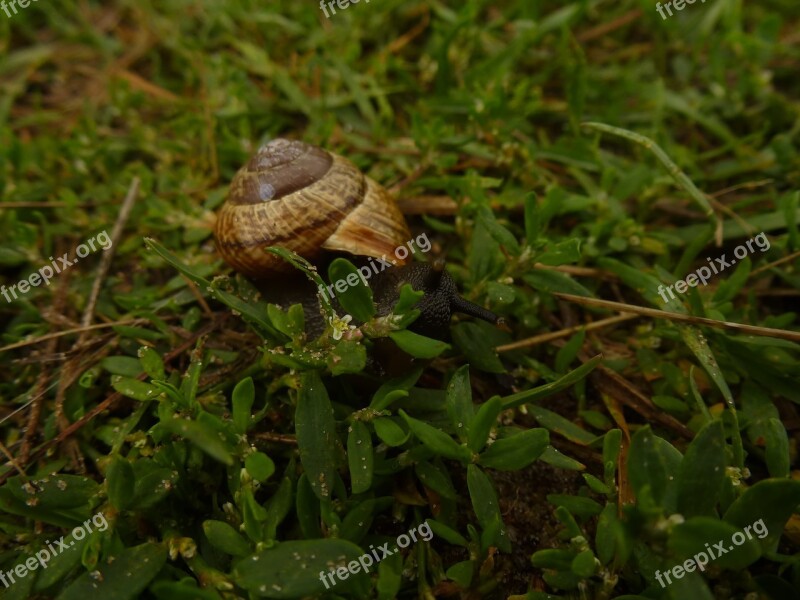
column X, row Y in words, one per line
column 311, row 201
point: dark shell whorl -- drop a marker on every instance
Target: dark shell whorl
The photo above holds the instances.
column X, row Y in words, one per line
column 278, row 169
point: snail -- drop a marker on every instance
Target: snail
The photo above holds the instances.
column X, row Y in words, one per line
column 316, row 203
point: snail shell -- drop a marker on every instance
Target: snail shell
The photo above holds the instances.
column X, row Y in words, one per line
column 307, row 200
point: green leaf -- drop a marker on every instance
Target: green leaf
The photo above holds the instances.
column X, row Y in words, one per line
column 577, row 505
column 549, row 389
column 122, row 578
column 360, row 457
column 461, row 573
column 554, row 281
column 60, row 565
column 774, row 587
column 153, row 483
column 316, row 434
column 394, row 389
column 643, row 282
column 447, row 534
column 122, row 365
column 554, row 458
column 730, row 286
column 482, row 424
column 688, row 539
column 390, row 578
column 437, row 440
column 486, row 507
column 691, row 585
column 224, row 537
column 120, row 482
column 152, row 363
column 259, row 465
column 358, row 521
column 132, row 388
column 533, row 219
column 561, row 253
column 356, row 298
column 557, row 423
column 390, row 432
column 484, row 253
column 500, row 293
column 595, row 484
column 764, row 428
column 54, row 491
column 459, row 401
column 571, row 527
column 472, row 338
column 138, row 333
column 291, row 323
column 436, row 479
column 610, row 535
column 347, row 356
column 702, row 472
column 653, row 463
column 253, row 514
column 278, row 508
column 612, row 446
column 242, row 400
column 567, row 353
column 307, row 507
column 559, row 559
column 769, row 503
column 417, row 345
column 185, row 589
column 698, row 344
column 499, row 233
column 777, row 442
column 291, row 569
column 191, row 380
column 224, row 429
column 517, row 451
column 408, row 299
column 585, row 564
column 201, row 435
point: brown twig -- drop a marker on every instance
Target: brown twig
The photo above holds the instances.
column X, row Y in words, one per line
column 35, row 413
column 746, row 227
column 554, row 335
column 399, row 43
column 71, row 368
column 670, row 316
column 278, row 438
column 605, row 28
column 780, row 261
column 108, row 255
column 198, row 296
column 747, row 185
column 13, row 462
column 579, row 271
column 57, row 334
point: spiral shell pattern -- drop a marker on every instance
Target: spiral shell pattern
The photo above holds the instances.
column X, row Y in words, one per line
column 307, row 200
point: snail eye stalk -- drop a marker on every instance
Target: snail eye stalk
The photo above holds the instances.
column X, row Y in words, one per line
column 434, row 276
column 459, row 304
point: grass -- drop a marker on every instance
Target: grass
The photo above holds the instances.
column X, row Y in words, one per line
column 549, row 150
